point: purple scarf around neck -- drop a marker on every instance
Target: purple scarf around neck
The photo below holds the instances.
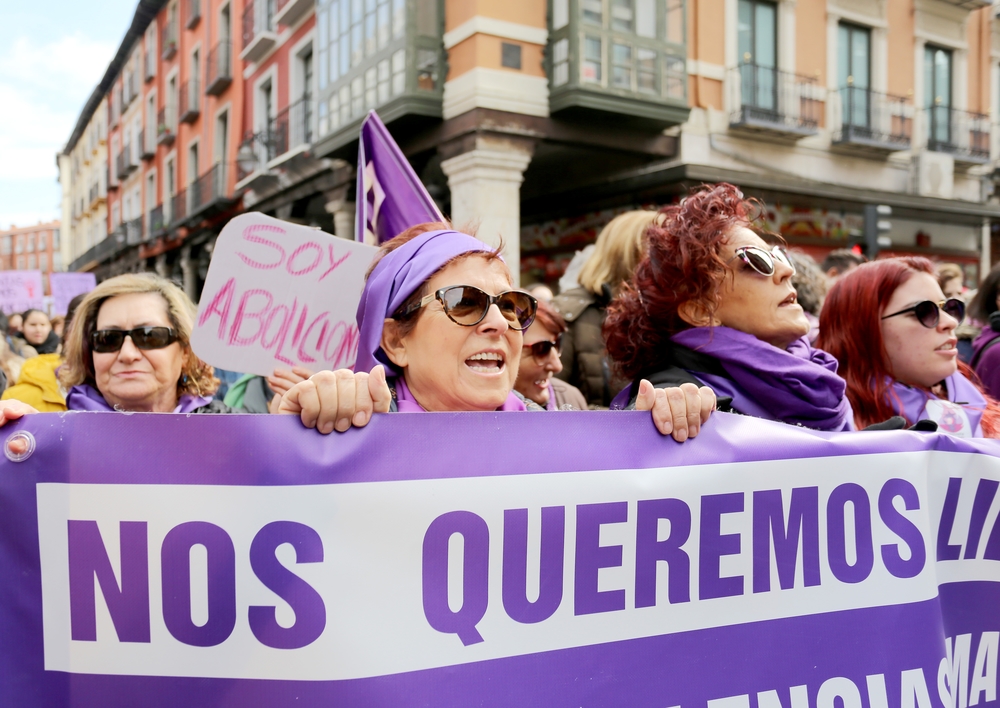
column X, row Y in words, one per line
column 395, row 278
column 798, row 386
column 960, row 414
column 406, row 403
column 86, row 398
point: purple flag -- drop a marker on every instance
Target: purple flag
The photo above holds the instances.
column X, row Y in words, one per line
column 390, row 197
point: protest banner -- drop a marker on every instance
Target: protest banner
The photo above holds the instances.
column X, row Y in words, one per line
column 279, row 295
column 66, row 286
column 20, row 290
column 426, row 561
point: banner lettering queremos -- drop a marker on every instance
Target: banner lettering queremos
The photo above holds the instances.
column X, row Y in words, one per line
column 567, row 559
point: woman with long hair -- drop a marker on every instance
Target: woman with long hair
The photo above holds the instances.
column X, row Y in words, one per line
column 712, row 303
column 892, row 331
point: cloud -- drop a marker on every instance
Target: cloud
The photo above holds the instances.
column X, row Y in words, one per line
column 43, row 87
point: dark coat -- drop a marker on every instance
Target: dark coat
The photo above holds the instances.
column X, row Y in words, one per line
column 584, row 359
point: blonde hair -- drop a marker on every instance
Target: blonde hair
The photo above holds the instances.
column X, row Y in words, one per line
column 617, row 251
column 949, row 271
column 197, row 377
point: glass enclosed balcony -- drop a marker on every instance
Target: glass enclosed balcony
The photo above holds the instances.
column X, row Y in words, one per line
column 619, row 58
column 385, row 55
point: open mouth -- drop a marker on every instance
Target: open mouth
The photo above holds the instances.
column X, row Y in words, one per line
column 792, row 299
column 486, row 363
column 947, row 346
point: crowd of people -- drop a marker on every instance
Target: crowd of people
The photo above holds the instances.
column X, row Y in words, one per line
column 679, row 312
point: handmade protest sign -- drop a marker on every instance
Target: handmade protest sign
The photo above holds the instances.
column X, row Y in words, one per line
column 20, row 290
column 66, row 286
column 279, row 295
column 425, row 561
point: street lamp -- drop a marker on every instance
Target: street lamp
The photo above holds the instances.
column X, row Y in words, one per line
column 246, row 158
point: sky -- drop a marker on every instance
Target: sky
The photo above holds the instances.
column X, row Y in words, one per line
column 52, row 55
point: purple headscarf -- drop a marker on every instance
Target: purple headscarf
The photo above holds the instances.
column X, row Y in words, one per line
column 86, row 398
column 397, row 276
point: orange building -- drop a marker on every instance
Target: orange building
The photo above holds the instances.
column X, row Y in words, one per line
column 32, row 248
column 539, row 121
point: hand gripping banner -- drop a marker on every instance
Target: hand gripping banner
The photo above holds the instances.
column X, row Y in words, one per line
column 566, row 559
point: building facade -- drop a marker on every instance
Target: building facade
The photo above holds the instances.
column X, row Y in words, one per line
column 35, row 247
column 536, row 122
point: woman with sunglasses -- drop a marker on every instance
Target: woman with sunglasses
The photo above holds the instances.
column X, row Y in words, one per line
column 711, row 302
column 893, row 332
column 128, row 349
column 439, row 313
column 540, row 362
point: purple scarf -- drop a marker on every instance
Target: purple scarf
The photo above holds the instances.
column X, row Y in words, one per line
column 552, row 405
column 960, row 414
column 87, row 398
column 406, row 403
column 395, row 278
column 798, row 386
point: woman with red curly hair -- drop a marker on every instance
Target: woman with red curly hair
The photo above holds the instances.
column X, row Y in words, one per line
column 712, row 303
column 893, row 332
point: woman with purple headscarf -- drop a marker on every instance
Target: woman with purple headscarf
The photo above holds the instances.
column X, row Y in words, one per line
column 439, row 313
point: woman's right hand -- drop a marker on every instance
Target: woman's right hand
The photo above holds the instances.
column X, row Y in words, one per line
column 337, row 400
column 12, row 410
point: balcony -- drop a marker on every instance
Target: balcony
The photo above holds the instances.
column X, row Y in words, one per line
column 256, row 151
column 291, row 130
column 288, row 12
column 102, row 251
column 126, row 162
column 259, row 36
column 872, row 123
column 193, row 14
column 189, row 103
column 132, row 231
column 166, row 126
column 962, row 134
column 774, row 103
column 178, row 207
column 112, row 175
column 220, row 72
column 209, row 191
column 168, row 40
column 147, row 146
column 158, row 222
column 149, row 66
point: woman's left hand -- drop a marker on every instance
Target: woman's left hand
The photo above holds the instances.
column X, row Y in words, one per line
column 678, row 412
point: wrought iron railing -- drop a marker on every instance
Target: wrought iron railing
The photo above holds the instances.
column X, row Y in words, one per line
column 178, row 207
column 964, row 134
column 292, row 127
column 867, row 117
column 766, row 97
column 147, row 145
column 193, row 12
column 168, row 40
column 189, row 100
column 157, row 221
column 220, row 71
column 166, row 125
column 258, row 16
column 208, row 188
column 133, row 231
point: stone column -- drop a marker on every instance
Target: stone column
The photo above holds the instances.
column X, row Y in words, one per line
column 343, row 218
column 161, row 265
column 485, row 185
column 188, row 271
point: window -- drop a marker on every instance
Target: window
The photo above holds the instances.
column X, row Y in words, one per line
column 20, row 263
column 757, row 33
column 192, row 163
column 55, row 238
column 32, row 263
column 20, row 243
column 854, row 73
column 42, row 240
column 937, row 95
column 6, row 245
column 43, row 261
column 221, row 143
column 31, row 242
column 150, row 191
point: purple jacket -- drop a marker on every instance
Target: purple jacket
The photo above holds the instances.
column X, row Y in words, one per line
column 988, row 364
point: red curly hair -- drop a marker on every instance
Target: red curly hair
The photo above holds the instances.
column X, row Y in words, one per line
column 850, row 328
column 683, row 263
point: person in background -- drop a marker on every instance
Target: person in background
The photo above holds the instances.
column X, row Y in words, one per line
column 840, row 262
column 617, row 250
column 36, row 335
column 14, row 324
column 712, row 303
column 37, row 384
column 951, row 278
column 985, row 307
column 259, row 394
column 540, row 360
column 811, row 285
column 439, row 312
column 541, row 292
column 58, row 322
column 892, row 330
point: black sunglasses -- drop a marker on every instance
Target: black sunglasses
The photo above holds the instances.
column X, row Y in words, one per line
column 928, row 312
column 540, row 350
column 761, row 260
column 467, row 305
column 105, row 341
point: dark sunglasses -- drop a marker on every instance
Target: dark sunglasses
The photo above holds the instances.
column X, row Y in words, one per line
column 761, row 260
column 105, row 341
column 467, row 305
column 541, row 350
column 928, row 312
